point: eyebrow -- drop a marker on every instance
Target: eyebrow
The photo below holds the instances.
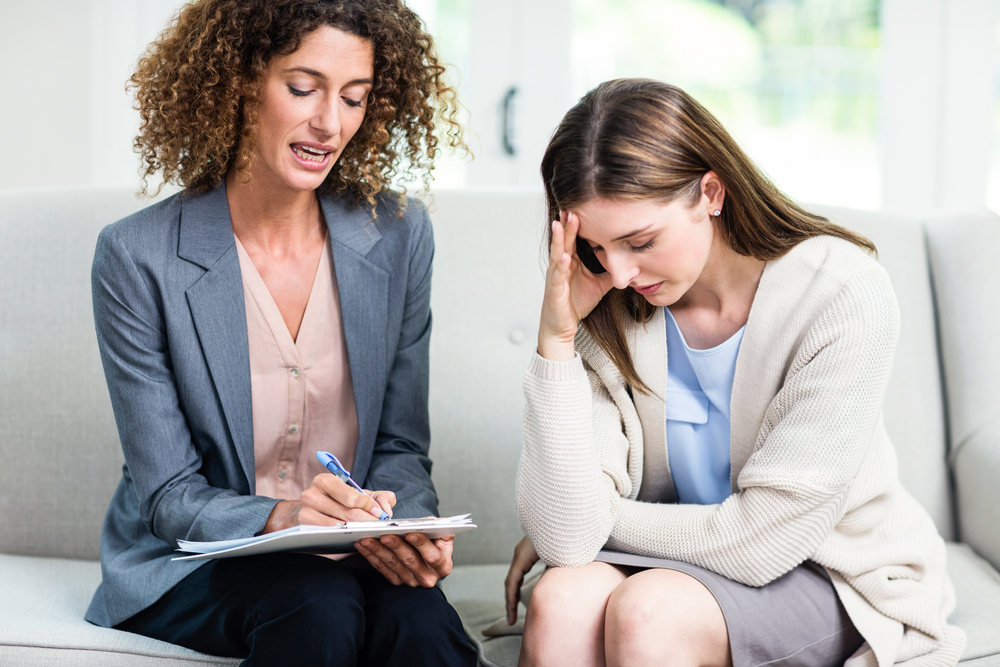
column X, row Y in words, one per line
column 638, row 231
column 320, row 75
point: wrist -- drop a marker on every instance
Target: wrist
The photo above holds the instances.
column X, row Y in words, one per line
column 555, row 348
column 283, row 515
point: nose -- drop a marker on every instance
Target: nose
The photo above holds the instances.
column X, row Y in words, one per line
column 621, row 268
column 327, row 117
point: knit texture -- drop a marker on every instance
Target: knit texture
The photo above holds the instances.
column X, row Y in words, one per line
column 813, row 470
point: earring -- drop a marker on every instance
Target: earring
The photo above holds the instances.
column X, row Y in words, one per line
column 717, row 213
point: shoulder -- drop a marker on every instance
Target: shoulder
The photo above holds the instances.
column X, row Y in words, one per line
column 394, row 228
column 823, row 285
column 815, row 272
column 827, row 262
column 150, row 231
column 408, row 219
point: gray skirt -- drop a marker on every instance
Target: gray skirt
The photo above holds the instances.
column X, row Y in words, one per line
column 797, row 619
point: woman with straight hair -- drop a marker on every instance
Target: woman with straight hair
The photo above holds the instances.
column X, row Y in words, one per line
column 705, row 468
column 277, row 307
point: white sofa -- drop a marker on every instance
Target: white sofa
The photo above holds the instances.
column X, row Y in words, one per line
column 61, row 458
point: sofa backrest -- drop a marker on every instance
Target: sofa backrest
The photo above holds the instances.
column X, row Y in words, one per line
column 58, row 439
column 963, row 253
column 57, row 433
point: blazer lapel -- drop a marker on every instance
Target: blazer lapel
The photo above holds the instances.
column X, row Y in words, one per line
column 219, row 313
column 363, row 287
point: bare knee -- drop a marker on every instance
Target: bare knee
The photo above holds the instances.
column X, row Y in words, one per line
column 665, row 617
column 565, row 619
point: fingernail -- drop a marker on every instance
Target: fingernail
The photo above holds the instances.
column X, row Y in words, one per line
column 412, row 539
column 376, row 512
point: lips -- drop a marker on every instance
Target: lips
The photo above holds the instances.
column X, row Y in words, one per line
column 311, row 156
column 648, row 289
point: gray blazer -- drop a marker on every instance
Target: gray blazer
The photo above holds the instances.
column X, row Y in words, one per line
column 171, row 325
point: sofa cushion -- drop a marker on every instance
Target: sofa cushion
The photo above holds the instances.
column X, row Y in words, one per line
column 977, row 588
column 41, row 621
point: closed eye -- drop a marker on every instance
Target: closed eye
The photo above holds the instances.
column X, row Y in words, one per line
column 640, row 248
column 297, row 92
column 354, row 103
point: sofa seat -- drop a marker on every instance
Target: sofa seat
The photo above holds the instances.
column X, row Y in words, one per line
column 53, row 593
column 41, row 621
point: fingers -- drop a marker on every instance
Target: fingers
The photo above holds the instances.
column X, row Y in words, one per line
column 398, row 561
column 372, row 550
column 385, row 499
column 329, row 500
column 570, row 231
column 524, row 558
column 558, row 246
column 512, row 591
column 349, row 497
column 436, row 554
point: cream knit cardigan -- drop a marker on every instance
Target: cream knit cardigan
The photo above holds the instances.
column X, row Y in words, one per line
column 813, row 471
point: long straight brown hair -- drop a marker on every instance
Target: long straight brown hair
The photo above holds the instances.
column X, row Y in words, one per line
column 634, row 139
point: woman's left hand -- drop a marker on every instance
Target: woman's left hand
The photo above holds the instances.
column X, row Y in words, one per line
column 415, row 561
column 525, row 557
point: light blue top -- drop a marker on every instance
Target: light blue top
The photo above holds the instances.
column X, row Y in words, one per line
column 699, row 387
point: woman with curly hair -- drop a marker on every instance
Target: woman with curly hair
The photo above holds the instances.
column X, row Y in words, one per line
column 276, row 307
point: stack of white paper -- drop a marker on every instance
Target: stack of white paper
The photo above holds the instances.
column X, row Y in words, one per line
column 324, row 539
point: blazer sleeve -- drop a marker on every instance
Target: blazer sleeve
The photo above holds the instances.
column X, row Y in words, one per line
column 163, row 462
column 400, row 460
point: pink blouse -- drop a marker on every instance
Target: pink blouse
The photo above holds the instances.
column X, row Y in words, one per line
column 302, row 396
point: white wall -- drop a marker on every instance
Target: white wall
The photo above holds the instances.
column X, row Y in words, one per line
column 938, row 94
column 68, row 121
column 66, row 117
column 44, row 96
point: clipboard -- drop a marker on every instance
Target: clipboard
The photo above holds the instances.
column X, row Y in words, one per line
column 337, row 539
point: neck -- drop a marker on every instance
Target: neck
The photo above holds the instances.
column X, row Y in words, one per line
column 272, row 217
column 726, row 286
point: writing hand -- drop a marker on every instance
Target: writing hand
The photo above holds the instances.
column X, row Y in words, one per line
column 524, row 557
column 571, row 291
column 414, row 561
column 326, row 502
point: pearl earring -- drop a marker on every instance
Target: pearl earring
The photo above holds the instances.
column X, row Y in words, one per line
column 717, row 213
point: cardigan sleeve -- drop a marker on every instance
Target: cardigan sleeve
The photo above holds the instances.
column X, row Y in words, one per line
column 793, row 489
column 574, row 465
column 817, row 433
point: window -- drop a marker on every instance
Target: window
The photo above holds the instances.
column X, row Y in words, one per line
column 795, row 81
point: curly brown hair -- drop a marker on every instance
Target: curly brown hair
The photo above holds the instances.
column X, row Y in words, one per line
column 198, row 90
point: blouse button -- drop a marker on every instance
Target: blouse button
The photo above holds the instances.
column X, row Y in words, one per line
column 283, row 474
column 293, row 429
column 296, row 372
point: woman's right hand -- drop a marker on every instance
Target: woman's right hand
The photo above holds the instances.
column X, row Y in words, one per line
column 524, row 557
column 329, row 501
column 571, row 291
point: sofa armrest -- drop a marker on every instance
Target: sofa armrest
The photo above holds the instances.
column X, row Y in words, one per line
column 976, row 466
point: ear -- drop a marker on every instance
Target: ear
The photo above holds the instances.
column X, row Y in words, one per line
column 713, row 193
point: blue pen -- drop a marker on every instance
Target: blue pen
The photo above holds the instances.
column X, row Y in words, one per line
column 333, row 465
